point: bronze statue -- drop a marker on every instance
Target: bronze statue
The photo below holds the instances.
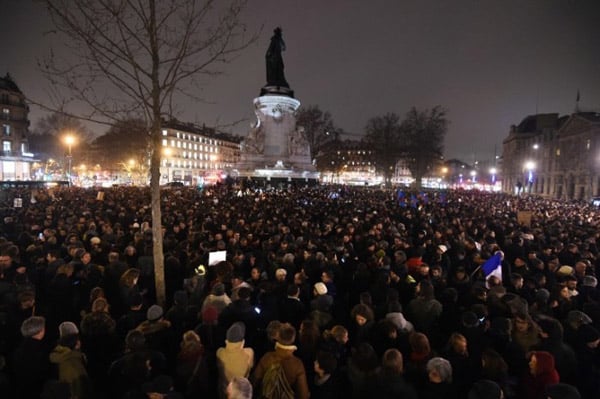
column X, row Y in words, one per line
column 275, row 76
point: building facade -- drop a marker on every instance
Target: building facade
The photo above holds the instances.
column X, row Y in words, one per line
column 347, row 162
column 15, row 158
column 193, row 154
column 553, row 156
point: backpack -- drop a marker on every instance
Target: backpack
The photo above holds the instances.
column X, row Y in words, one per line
column 275, row 384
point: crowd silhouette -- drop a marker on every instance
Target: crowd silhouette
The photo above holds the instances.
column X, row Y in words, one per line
column 355, row 292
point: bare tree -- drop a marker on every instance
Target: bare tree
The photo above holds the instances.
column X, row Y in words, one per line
column 137, row 58
column 422, row 136
column 383, row 135
column 318, row 126
column 47, row 140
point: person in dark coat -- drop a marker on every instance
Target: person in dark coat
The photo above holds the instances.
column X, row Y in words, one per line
column 135, row 316
column 99, row 342
column 327, row 379
column 588, row 359
column 564, row 356
column 31, row 364
column 137, row 365
column 291, row 309
column 159, row 334
column 464, row 369
column 439, row 385
column 389, row 382
column 242, row 310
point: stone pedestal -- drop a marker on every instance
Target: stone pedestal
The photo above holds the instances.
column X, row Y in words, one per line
column 274, row 149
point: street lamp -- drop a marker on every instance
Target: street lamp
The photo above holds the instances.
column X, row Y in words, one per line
column 69, row 141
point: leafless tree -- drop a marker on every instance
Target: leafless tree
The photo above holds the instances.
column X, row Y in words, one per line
column 139, row 58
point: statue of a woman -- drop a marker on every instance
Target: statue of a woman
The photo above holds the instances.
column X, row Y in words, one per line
column 275, row 76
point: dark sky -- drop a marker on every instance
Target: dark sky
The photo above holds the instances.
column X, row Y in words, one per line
column 489, row 62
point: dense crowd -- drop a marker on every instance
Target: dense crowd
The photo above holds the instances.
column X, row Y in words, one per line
column 326, row 292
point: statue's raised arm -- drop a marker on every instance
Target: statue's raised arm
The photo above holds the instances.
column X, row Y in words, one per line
column 275, row 75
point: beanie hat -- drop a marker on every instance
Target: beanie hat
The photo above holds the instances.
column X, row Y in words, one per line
column 565, row 270
column 236, row 332
column 67, row 328
column 442, row 248
column 154, row 313
column 32, row 326
column 562, row 391
column 321, row 288
column 485, row 389
column 218, row 289
column 588, row 334
column 577, row 316
column 590, row 281
column 95, row 240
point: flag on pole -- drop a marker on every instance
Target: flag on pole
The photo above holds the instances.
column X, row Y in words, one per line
column 493, row 267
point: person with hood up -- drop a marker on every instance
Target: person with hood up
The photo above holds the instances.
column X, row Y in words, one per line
column 542, row 373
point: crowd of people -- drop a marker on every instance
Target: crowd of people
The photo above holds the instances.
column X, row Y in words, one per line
column 325, row 292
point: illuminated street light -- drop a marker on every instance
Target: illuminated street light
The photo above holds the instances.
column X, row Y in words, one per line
column 473, row 174
column 69, row 141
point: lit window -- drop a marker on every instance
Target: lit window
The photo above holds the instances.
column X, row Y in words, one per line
column 6, row 130
column 6, row 113
column 6, row 146
column 164, row 142
column 587, row 144
column 164, row 132
column 177, row 134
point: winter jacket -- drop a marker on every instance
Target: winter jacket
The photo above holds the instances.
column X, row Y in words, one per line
column 233, row 360
column 71, row 369
column 292, row 367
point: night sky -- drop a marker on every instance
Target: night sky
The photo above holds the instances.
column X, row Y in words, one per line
column 489, row 62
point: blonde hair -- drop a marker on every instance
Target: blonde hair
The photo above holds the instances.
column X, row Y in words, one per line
column 100, row 305
column 128, row 277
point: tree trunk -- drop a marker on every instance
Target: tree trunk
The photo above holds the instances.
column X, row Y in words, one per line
column 157, row 239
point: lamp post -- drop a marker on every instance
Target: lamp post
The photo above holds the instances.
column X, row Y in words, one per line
column 69, row 141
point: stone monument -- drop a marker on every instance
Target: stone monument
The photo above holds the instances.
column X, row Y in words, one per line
column 275, row 149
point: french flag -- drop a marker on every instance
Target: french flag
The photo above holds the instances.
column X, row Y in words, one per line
column 493, row 266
